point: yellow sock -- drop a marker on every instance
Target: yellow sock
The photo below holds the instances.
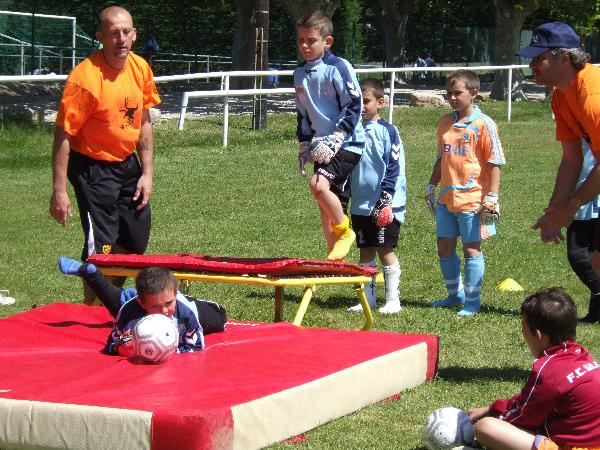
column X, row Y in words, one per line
column 345, row 239
column 341, row 228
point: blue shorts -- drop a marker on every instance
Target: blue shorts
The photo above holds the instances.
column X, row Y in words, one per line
column 467, row 225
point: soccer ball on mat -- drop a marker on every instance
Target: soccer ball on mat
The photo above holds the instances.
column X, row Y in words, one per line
column 156, row 338
column 446, row 428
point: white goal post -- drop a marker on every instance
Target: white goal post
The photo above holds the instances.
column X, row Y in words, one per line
column 31, row 16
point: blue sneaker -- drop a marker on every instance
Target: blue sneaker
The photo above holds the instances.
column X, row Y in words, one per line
column 469, row 309
column 455, row 300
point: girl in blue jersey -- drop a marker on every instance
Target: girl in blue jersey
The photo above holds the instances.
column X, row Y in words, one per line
column 329, row 131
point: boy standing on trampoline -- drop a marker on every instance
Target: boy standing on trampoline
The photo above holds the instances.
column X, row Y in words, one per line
column 155, row 292
column 379, row 197
column 329, row 131
column 468, row 164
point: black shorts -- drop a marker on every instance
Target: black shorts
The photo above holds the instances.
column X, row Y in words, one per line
column 368, row 234
column 211, row 315
column 108, row 215
column 343, row 196
column 338, row 172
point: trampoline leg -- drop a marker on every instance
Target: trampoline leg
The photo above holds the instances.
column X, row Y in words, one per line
column 308, row 292
column 278, row 303
column 360, row 291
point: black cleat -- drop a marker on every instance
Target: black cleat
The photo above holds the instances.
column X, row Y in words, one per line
column 588, row 320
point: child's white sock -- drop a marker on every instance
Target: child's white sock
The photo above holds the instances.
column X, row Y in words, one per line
column 370, row 291
column 391, row 275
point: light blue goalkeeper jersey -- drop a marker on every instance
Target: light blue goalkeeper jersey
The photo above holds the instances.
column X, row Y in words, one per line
column 328, row 97
column 589, row 210
column 381, row 168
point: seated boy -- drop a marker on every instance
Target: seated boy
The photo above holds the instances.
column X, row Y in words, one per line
column 155, row 293
column 558, row 407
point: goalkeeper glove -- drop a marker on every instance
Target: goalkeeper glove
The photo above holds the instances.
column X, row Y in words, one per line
column 304, row 156
column 489, row 209
column 430, row 198
column 381, row 214
column 126, row 345
column 324, row 148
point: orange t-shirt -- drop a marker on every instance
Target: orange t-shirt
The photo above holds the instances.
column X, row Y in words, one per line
column 577, row 109
column 101, row 107
column 465, row 150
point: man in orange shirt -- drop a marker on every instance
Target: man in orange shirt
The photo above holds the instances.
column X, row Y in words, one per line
column 103, row 118
column 559, row 61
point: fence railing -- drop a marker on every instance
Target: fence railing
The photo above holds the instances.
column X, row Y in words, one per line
column 61, row 59
column 225, row 92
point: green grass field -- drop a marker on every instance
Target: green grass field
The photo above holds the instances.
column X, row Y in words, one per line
column 247, row 200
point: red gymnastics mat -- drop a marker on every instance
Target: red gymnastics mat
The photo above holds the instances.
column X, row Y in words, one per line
column 253, row 385
column 273, row 267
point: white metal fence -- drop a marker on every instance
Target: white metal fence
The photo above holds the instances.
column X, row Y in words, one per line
column 191, row 63
column 44, row 55
column 225, row 92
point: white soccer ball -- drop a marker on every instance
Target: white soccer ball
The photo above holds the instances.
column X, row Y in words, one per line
column 156, row 338
column 446, row 428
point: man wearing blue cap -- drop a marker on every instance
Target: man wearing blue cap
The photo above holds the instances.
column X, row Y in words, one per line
column 560, row 61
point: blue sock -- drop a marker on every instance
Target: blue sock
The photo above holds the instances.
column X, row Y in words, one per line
column 474, row 269
column 69, row 266
column 451, row 272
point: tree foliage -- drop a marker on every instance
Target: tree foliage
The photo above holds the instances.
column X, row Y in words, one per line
column 185, row 26
column 584, row 16
column 365, row 30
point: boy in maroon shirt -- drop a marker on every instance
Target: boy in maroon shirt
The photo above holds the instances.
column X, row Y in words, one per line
column 559, row 406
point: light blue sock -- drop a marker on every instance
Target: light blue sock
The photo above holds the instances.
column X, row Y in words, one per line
column 451, row 272
column 474, row 269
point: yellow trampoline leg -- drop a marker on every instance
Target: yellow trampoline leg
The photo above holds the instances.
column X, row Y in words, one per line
column 360, row 291
column 308, row 293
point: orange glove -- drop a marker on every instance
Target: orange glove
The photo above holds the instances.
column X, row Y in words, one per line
column 381, row 213
column 126, row 345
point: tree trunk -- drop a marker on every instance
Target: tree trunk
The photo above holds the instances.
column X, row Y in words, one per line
column 393, row 19
column 244, row 44
column 509, row 19
column 261, row 62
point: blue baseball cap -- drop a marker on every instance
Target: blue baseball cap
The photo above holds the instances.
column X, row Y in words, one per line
column 550, row 35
